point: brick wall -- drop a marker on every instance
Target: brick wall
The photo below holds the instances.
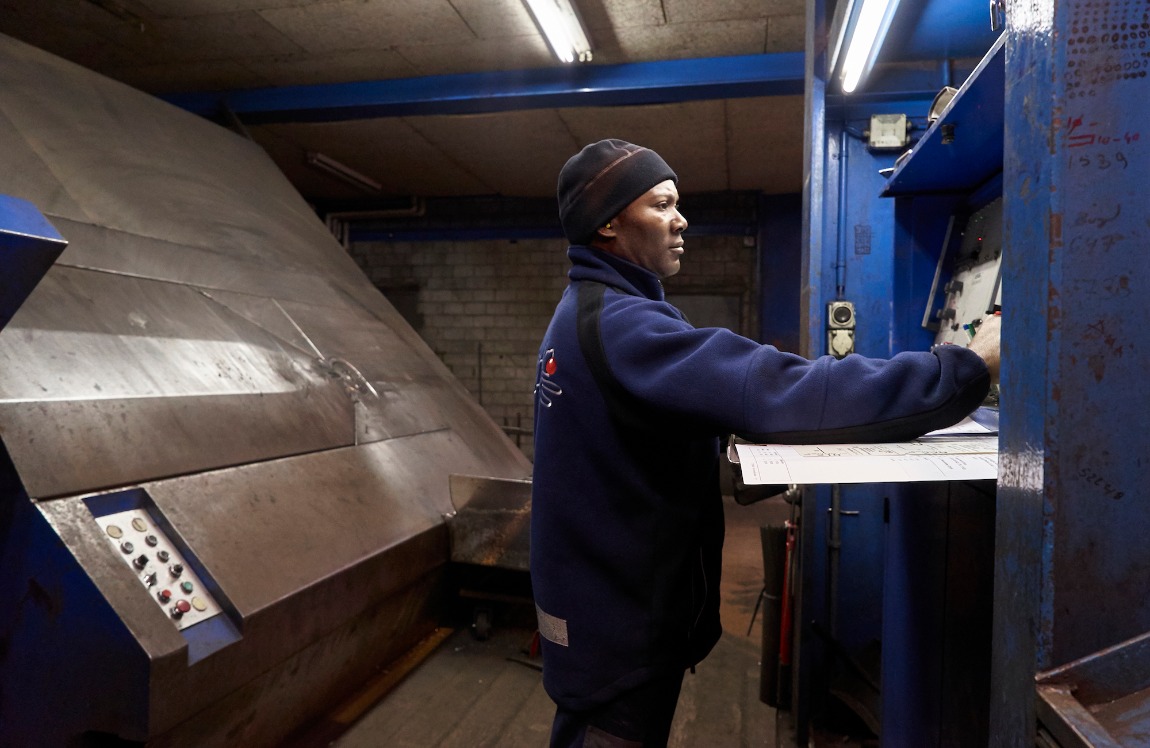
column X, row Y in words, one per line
column 483, row 306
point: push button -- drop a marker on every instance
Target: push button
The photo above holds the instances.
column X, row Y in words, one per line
column 176, row 570
column 139, row 524
column 127, row 547
column 164, row 595
column 181, row 607
column 151, row 540
column 115, row 532
column 186, row 586
column 163, row 556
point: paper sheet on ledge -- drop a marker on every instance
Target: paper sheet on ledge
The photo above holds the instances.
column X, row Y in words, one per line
column 965, row 451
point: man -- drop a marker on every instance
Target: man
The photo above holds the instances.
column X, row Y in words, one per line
column 631, row 403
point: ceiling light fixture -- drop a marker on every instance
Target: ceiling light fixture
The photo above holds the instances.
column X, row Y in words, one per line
column 559, row 22
column 343, row 172
column 864, row 40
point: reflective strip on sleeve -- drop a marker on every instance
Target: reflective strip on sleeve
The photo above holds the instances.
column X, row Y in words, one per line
column 551, row 628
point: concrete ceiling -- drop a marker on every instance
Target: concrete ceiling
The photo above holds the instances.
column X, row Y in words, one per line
column 170, row 46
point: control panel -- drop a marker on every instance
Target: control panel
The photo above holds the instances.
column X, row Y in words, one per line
column 160, row 567
column 975, row 288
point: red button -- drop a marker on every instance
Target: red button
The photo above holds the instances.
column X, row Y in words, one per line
column 183, row 606
column 164, row 595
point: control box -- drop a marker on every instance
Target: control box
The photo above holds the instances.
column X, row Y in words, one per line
column 171, row 582
column 840, row 328
column 975, row 288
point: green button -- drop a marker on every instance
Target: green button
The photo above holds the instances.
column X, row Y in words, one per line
column 186, row 586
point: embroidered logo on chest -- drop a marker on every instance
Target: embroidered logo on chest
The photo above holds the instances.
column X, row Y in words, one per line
column 545, row 387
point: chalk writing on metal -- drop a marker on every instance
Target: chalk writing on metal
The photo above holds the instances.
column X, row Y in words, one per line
column 1094, row 479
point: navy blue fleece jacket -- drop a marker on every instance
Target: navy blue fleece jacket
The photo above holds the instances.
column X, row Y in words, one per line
column 627, row 518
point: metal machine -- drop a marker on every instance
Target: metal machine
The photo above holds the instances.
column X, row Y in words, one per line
column 1011, row 613
column 226, row 460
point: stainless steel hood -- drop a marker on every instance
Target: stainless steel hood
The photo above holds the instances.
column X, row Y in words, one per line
column 205, row 355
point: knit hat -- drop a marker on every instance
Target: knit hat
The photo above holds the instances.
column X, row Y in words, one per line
column 598, row 182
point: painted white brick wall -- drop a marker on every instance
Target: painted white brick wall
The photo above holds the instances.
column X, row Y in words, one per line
column 484, row 305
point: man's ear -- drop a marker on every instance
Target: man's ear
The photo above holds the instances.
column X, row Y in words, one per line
column 606, row 231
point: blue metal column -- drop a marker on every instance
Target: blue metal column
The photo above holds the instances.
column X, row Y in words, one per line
column 1072, row 561
column 808, row 655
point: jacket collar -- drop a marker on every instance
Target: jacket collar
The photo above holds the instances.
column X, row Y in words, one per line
column 589, row 263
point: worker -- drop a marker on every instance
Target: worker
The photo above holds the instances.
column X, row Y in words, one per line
column 631, row 405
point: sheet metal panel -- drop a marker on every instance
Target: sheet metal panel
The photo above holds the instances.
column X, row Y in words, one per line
column 1101, row 700
column 110, row 379
column 204, row 343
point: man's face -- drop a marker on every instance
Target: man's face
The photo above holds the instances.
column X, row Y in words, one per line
column 649, row 231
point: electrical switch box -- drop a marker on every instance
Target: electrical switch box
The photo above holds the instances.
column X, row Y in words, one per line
column 840, row 328
column 888, row 132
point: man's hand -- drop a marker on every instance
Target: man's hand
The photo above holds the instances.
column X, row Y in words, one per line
column 986, row 342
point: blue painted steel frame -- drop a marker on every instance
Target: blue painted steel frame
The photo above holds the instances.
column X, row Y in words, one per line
column 862, row 248
column 1073, row 564
column 572, row 86
column 28, row 247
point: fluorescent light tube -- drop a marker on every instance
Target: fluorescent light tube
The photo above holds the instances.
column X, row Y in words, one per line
column 346, row 173
column 865, row 40
column 560, row 24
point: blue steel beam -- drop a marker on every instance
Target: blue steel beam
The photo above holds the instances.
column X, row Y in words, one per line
column 576, row 86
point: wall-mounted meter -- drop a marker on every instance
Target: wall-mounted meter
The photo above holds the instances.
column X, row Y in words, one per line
column 840, row 328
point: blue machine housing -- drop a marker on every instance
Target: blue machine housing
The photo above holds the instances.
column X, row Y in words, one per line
column 1046, row 571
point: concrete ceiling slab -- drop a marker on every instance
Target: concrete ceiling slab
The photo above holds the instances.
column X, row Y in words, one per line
column 519, row 153
column 761, row 137
column 354, row 24
column 226, row 45
column 306, row 69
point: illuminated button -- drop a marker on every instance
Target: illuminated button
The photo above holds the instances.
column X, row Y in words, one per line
column 141, row 561
column 175, row 570
column 115, row 531
column 186, row 586
column 127, row 547
column 139, row 524
column 163, row 556
column 199, row 604
column 151, row 540
column 164, row 595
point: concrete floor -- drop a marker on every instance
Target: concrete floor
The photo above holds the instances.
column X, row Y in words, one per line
column 469, row 693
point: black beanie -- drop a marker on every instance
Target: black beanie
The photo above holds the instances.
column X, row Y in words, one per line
column 598, row 182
